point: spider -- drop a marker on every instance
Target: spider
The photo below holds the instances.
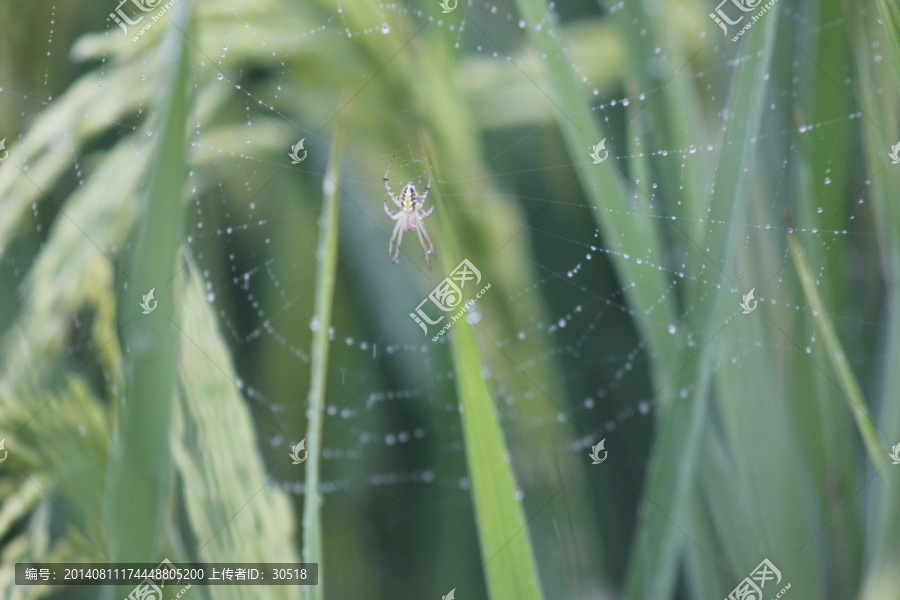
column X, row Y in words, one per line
column 410, row 218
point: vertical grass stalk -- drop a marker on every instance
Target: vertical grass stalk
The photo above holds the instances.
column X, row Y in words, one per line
column 326, row 255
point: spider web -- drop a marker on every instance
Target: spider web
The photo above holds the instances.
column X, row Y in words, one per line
column 393, row 437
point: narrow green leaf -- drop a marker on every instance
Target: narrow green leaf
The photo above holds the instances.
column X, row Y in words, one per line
column 510, row 567
column 140, row 472
column 856, row 403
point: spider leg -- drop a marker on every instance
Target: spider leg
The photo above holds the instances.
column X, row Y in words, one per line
column 387, row 184
column 391, row 213
column 424, row 247
column 426, row 213
column 394, row 244
column 425, row 193
column 429, row 249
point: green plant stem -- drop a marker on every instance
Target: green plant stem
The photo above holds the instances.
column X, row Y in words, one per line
column 326, row 274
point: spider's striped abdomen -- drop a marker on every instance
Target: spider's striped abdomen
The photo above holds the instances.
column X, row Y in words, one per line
column 408, row 198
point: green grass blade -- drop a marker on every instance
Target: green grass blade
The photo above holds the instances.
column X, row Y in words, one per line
column 890, row 18
column 510, row 570
column 140, row 469
column 233, row 507
column 674, row 116
column 326, row 274
column 672, row 469
column 499, row 245
column 634, row 236
column 856, row 403
column 882, row 579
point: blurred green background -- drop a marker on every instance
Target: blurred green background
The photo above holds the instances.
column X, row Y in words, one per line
column 613, row 313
